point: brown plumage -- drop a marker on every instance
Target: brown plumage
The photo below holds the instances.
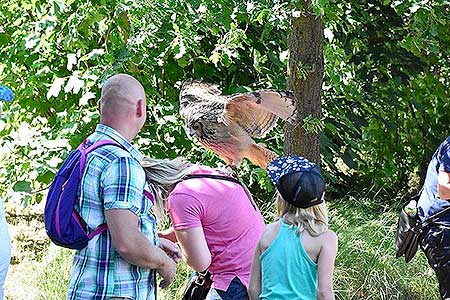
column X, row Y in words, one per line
column 227, row 123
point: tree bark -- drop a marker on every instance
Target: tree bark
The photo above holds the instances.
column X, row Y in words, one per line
column 305, row 80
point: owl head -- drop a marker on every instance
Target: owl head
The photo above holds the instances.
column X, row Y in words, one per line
column 200, row 105
column 200, row 126
column 194, row 126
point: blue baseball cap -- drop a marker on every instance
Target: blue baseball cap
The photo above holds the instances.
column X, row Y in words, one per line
column 298, row 180
column 6, row 94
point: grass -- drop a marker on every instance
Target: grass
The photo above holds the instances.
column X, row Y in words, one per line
column 366, row 267
column 53, row 277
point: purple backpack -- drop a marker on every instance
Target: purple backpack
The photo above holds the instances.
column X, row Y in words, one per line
column 63, row 224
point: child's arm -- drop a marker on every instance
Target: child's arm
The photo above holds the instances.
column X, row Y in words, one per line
column 325, row 264
column 254, row 286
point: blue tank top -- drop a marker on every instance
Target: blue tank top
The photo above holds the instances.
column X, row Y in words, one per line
column 287, row 270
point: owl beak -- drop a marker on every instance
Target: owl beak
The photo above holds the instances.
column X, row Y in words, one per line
column 192, row 132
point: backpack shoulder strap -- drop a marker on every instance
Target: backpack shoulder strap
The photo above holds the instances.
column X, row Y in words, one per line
column 436, row 216
column 227, row 178
column 85, row 148
column 212, row 176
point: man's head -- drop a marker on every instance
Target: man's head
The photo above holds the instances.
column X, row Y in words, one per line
column 122, row 105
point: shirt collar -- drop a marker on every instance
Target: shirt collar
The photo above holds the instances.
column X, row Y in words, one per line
column 116, row 136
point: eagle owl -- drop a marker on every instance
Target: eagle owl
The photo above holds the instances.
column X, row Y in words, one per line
column 227, row 124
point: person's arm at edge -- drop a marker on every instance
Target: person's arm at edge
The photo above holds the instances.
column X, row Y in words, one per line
column 325, row 267
column 195, row 248
column 254, row 286
column 168, row 234
column 444, row 185
column 135, row 248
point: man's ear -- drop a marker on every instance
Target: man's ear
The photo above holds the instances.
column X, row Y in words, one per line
column 140, row 108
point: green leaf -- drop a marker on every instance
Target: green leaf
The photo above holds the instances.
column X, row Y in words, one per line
column 22, row 186
column 46, row 177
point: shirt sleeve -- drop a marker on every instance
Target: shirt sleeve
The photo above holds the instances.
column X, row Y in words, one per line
column 445, row 159
column 123, row 183
column 185, row 211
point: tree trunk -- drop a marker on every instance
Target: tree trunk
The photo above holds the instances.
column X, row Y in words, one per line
column 305, row 80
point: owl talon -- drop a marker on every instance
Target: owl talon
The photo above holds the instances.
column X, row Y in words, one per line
column 232, row 170
column 232, row 167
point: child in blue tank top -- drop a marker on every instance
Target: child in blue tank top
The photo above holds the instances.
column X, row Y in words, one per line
column 295, row 256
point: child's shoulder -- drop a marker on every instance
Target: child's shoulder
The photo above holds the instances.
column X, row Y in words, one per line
column 269, row 234
column 329, row 238
column 271, row 229
column 329, row 234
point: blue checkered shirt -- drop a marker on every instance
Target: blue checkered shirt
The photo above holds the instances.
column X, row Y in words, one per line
column 113, row 179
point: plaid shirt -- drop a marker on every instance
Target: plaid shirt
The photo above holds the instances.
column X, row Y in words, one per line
column 113, row 179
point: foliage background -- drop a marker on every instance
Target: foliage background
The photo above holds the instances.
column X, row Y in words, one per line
column 385, row 94
column 386, row 85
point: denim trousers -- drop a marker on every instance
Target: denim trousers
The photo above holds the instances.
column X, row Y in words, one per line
column 435, row 244
column 5, row 248
column 236, row 291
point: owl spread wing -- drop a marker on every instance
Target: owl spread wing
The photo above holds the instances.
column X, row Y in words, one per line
column 257, row 112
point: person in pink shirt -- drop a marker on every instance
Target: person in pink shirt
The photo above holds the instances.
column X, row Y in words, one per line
column 214, row 220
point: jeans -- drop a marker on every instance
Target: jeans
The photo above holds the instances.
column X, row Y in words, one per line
column 5, row 248
column 236, row 291
column 435, row 244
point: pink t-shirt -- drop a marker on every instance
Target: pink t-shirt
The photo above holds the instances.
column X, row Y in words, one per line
column 231, row 224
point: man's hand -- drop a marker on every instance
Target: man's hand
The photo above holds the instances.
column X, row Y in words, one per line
column 167, row 272
column 171, row 249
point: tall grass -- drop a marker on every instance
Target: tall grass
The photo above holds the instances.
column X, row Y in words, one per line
column 53, row 278
column 366, row 267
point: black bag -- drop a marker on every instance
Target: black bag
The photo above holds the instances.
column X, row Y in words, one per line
column 409, row 232
column 198, row 286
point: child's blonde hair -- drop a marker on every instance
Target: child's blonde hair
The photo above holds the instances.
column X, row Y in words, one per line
column 314, row 218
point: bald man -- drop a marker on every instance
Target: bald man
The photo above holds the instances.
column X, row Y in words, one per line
column 122, row 262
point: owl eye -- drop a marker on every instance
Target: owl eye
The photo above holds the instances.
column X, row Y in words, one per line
column 196, row 126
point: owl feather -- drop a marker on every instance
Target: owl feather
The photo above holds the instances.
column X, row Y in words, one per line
column 227, row 124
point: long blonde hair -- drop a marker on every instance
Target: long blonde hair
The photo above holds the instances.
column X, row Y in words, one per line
column 314, row 219
column 162, row 175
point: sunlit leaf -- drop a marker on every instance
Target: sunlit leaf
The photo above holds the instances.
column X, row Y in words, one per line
column 55, row 88
column 74, row 84
column 71, row 60
column 85, row 98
